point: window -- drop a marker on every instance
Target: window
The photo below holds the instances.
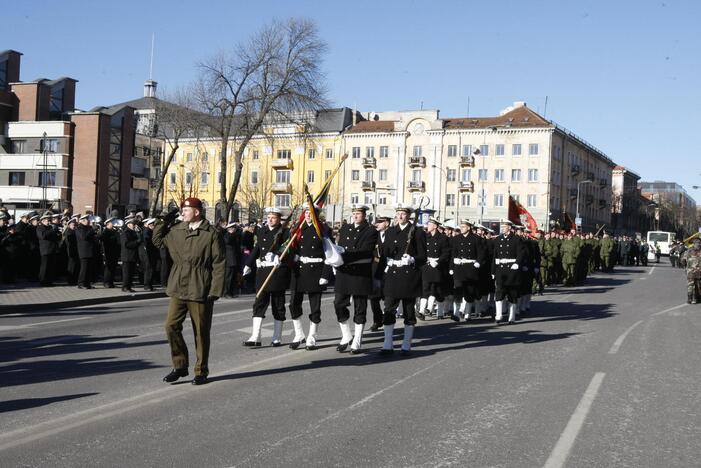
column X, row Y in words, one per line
column 451, row 173
column 484, row 150
column 189, row 157
column 482, row 198
column 284, row 154
column 327, row 174
column 499, row 150
column 188, row 178
column 368, row 175
column 204, row 157
column 498, row 200
column 370, row 152
column 466, row 175
column 311, row 154
column 532, row 199
column 204, row 179
column 282, row 177
column 416, row 175
column 382, row 200
column 450, row 199
column 417, row 151
column 172, row 178
column 47, row 178
column 533, row 149
column 256, row 154
column 465, row 199
column 499, row 175
column 19, row 146
column 482, row 174
column 282, row 199
column 532, row 175
column 354, row 198
column 516, row 149
column 254, row 177
column 356, row 152
column 369, row 198
column 384, row 152
column 515, row 175
column 355, row 174
column 329, row 153
column 452, row 151
column 16, row 178
column 383, row 174
column 50, row 145
column 515, row 196
column 310, row 177
column 467, row 150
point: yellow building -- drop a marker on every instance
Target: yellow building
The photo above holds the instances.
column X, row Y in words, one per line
column 276, row 165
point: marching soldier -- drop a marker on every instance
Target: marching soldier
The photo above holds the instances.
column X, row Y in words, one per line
column 265, row 256
column 71, row 245
column 196, row 281
column 354, row 278
column 110, row 242
column 435, row 272
column 147, row 253
column 47, row 235
column 10, row 252
column 607, row 252
column 379, row 263
column 692, row 260
column 405, row 249
column 231, row 240
column 85, row 237
column 307, row 278
column 508, row 257
column 467, row 253
column 130, row 241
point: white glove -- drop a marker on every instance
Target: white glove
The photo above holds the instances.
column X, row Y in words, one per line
column 514, row 266
column 246, row 270
column 408, row 260
column 323, row 281
column 433, row 263
column 476, row 264
column 456, row 261
column 450, row 272
column 493, row 276
column 276, row 260
column 269, row 257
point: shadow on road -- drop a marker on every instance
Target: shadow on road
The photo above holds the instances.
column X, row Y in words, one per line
column 27, row 403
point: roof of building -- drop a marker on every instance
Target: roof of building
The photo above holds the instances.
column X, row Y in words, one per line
column 519, row 117
column 333, row 120
column 372, row 126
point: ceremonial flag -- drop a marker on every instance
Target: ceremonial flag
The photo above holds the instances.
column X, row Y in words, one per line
column 516, row 210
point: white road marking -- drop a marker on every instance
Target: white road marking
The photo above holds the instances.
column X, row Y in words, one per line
column 619, row 341
column 651, row 270
column 669, row 310
column 562, row 448
column 30, row 325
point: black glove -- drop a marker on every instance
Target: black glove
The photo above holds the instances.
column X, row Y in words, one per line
column 171, row 216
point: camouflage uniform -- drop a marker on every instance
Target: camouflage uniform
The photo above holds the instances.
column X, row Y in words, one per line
column 692, row 257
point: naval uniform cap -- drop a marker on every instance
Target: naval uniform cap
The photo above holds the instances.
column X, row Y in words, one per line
column 358, row 207
column 273, row 210
column 4, row 215
column 110, row 220
column 230, row 225
column 405, row 208
column 434, row 221
column 381, row 219
column 467, row 221
column 33, row 217
column 148, row 221
column 47, row 215
column 129, row 219
column 85, row 216
column 508, row 222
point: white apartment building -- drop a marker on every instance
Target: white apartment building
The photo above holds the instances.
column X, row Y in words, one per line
column 468, row 167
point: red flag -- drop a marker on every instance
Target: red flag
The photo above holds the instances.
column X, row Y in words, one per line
column 516, row 210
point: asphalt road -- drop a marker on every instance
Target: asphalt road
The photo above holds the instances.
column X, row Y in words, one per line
column 604, row 374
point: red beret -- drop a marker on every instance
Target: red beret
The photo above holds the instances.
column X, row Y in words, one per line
column 192, row 203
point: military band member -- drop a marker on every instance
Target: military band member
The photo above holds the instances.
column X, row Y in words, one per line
column 405, row 249
column 265, row 256
column 379, row 263
column 48, row 237
column 130, row 241
column 109, row 240
column 506, row 268
column 434, row 274
column 85, row 238
column 232, row 244
column 354, row 278
column 147, row 252
column 467, row 260
column 71, row 245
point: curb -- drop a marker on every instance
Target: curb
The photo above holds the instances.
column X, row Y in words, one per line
column 79, row 302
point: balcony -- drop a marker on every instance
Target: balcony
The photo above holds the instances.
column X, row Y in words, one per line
column 368, row 186
column 30, row 161
column 416, row 186
column 279, row 187
column 281, row 163
column 417, row 161
column 26, row 193
column 467, row 161
column 369, row 163
column 576, row 170
column 466, row 186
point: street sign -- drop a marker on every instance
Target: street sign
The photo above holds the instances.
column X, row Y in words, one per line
column 578, row 221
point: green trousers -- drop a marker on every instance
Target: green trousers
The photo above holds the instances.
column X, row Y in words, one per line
column 201, row 317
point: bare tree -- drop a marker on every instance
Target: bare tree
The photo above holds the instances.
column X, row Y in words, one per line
column 276, row 73
column 175, row 120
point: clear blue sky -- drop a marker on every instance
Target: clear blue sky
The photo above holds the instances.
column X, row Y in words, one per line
column 624, row 75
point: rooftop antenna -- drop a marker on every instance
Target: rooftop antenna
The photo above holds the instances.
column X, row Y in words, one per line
column 422, row 105
column 545, row 109
column 468, row 106
column 150, row 68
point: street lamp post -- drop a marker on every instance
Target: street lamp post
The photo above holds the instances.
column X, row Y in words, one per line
column 579, row 185
column 440, row 186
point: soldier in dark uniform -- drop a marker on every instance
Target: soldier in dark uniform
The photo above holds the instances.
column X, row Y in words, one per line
column 354, row 278
column 265, row 256
column 529, row 264
column 85, row 237
column 10, row 253
column 110, row 243
column 435, row 271
column 231, row 240
column 308, row 277
column 48, row 237
column 130, row 241
column 147, row 252
column 506, row 268
column 467, row 259
column 70, row 244
column 405, row 249
column 379, row 263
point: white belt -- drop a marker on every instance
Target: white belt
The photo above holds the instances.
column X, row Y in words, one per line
column 311, row 259
column 462, row 261
column 504, row 260
column 264, row 264
column 432, row 258
column 393, row 262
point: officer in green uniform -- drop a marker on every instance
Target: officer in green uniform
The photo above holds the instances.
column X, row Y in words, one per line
column 571, row 250
column 196, row 280
column 607, row 253
column 692, row 258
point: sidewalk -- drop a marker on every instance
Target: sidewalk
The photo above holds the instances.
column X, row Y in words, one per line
column 28, row 297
